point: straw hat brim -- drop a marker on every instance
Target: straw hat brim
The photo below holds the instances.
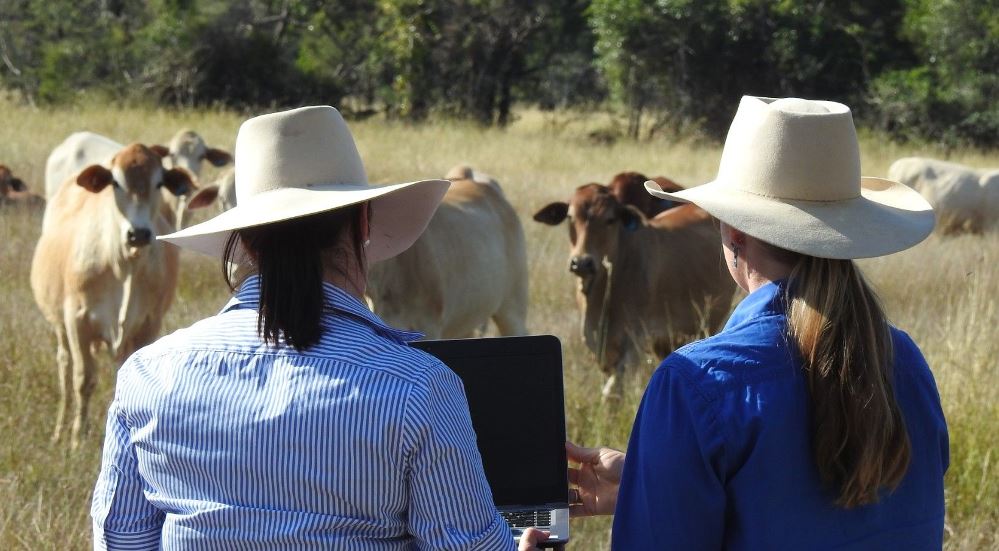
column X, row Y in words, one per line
column 887, row 217
column 399, row 214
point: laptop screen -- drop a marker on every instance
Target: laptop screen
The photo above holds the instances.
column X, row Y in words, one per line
column 515, row 398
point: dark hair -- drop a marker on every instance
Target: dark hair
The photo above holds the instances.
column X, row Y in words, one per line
column 290, row 258
column 859, row 438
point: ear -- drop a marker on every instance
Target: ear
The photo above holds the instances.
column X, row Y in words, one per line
column 94, row 178
column 204, row 197
column 160, row 150
column 631, row 217
column 217, row 157
column 177, row 180
column 552, row 214
column 17, row 185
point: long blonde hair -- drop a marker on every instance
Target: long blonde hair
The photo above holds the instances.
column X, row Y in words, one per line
column 859, row 438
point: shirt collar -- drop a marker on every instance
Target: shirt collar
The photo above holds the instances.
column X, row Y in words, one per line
column 336, row 300
column 768, row 299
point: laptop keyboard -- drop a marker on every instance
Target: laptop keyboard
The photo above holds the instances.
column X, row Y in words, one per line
column 525, row 519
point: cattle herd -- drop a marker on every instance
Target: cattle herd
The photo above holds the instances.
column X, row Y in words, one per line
column 649, row 273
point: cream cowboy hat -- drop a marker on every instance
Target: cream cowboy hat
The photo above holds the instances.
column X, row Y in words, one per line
column 790, row 176
column 304, row 161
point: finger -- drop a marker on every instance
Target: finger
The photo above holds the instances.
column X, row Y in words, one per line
column 573, row 476
column 531, row 537
column 580, row 454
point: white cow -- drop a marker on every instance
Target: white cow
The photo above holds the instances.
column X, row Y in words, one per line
column 963, row 198
column 187, row 150
column 469, row 266
column 98, row 274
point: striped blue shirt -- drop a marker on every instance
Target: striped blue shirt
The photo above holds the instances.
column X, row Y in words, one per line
column 217, row 441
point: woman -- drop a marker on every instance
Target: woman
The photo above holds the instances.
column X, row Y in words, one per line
column 809, row 422
column 295, row 418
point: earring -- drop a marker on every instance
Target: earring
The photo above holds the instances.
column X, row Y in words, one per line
column 366, row 242
column 735, row 255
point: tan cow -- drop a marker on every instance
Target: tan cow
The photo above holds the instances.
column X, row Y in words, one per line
column 14, row 192
column 470, row 266
column 641, row 283
column 629, row 189
column 187, row 150
column 962, row 197
column 99, row 275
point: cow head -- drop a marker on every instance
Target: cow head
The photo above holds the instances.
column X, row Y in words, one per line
column 629, row 189
column 135, row 178
column 188, row 150
column 596, row 221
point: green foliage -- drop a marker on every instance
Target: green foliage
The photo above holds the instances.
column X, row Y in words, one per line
column 922, row 69
column 949, row 96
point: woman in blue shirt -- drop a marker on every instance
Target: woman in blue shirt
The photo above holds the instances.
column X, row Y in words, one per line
column 808, row 422
column 295, row 418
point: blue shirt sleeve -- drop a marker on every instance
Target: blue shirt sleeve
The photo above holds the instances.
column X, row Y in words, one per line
column 123, row 517
column 450, row 503
column 672, row 492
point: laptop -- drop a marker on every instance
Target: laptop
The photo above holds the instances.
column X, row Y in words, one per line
column 515, row 394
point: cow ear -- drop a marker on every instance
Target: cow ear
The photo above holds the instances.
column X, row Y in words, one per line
column 631, row 217
column 177, row 180
column 204, row 197
column 160, row 150
column 552, row 214
column 94, row 178
column 218, row 157
column 16, row 184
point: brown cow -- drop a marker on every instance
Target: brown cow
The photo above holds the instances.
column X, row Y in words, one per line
column 658, row 282
column 14, row 192
column 468, row 267
column 629, row 189
column 99, row 275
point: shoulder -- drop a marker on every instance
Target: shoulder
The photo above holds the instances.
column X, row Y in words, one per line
column 753, row 351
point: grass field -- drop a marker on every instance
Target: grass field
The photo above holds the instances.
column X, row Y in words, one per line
column 944, row 292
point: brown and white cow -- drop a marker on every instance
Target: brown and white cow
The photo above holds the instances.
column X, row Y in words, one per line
column 15, row 193
column 629, row 189
column 468, row 267
column 187, row 150
column 98, row 274
column 641, row 282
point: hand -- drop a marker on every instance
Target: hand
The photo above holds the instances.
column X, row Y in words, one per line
column 531, row 537
column 596, row 479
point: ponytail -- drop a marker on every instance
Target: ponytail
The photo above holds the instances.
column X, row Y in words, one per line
column 859, row 438
column 291, row 258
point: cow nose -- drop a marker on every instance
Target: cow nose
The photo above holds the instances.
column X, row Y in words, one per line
column 139, row 237
column 582, row 265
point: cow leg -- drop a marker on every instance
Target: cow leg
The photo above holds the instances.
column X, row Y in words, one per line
column 83, row 371
column 65, row 367
column 510, row 320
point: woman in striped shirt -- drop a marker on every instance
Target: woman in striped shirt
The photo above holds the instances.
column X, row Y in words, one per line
column 295, row 418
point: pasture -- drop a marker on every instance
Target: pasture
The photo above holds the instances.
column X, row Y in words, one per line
column 944, row 292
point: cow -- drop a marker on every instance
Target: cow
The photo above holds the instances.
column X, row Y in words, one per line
column 468, row 267
column 99, row 275
column 187, row 150
column 629, row 189
column 961, row 196
column 641, row 281
column 14, row 192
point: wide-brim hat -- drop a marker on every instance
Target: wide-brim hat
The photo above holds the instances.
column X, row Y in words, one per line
column 304, row 161
column 790, row 176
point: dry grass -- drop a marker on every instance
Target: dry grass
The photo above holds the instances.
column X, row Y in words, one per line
column 943, row 292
